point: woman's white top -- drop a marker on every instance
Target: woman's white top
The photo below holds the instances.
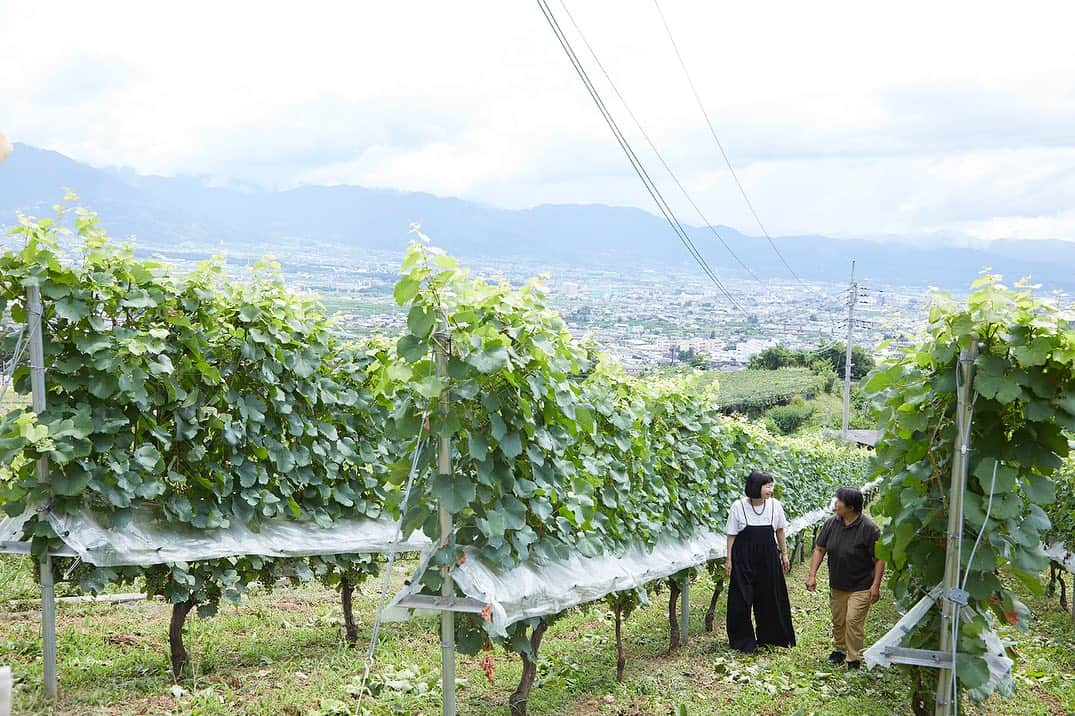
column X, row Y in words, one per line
column 743, row 513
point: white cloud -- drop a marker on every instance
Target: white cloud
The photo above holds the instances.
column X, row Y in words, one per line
column 845, row 118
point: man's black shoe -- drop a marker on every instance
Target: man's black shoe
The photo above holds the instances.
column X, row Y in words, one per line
column 836, row 657
column 854, row 664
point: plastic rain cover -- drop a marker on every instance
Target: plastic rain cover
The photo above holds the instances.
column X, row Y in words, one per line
column 148, row 539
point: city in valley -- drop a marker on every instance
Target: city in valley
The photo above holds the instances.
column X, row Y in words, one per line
column 645, row 319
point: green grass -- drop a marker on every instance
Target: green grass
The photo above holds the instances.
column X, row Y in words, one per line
column 283, row 653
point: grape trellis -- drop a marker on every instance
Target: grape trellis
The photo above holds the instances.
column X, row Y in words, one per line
column 209, row 405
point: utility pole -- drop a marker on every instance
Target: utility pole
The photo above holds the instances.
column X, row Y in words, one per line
column 952, row 599
column 444, row 467
column 852, row 299
column 48, row 588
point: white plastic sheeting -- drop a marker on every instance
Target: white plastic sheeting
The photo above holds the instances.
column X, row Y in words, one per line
column 147, row 539
column 1060, row 554
column 6, row 682
column 996, row 658
column 875, row 655
column 533, row 589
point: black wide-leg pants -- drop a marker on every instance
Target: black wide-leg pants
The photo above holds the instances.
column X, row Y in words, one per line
column 758, row 585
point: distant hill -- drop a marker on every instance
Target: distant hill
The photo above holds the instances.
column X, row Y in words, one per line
column 183, row 211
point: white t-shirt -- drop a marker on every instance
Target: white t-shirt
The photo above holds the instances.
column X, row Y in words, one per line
column 742, row 513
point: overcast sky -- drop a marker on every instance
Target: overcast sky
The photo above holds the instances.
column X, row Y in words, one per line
column 846, row 119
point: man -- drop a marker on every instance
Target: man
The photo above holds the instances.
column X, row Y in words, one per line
column 848, row 538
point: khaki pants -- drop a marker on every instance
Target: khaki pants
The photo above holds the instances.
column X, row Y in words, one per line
column 849, row 621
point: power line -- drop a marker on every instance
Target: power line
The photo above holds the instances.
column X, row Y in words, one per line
column 720, row 146
column 636, row 164
column 653, row 147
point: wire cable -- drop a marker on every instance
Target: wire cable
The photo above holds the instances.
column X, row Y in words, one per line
column 371, row 652
column 720, row 146
column 636, row 164
column 988, row 510
column 656, row 152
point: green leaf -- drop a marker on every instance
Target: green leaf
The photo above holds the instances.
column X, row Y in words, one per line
column 429, row 387
column 343, row 495
column 511, row 445
column 1009, row 391
column 72, row 481
column 499, row 429
column 477, row 446
column 584, row 417
column 1039, row 490
column 1040, row 410
column 91, row 343
column 412, row 349
column 454, row 492
column 406, row 289
column 148, row 457
column 973, row 671
column 1037, row 353
column 1005, row 477
column 71, row 309
column 489, row 360
column 420, row 321
column 492, row 525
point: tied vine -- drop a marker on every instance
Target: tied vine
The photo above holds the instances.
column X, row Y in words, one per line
column 555, row 455
column 204, row 401
column 211, row 402
column 1023, row 415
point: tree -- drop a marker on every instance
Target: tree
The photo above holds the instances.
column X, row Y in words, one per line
column 771, row 358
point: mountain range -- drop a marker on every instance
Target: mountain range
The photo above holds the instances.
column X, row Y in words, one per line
column 186, row 211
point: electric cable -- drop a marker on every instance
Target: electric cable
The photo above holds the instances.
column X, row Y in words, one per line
column 657, row 152
column 371, row 652
column 636, row 164
column 724, row 154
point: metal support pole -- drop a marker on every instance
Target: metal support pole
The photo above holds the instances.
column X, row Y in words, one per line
column 447, row 618
column 942, row 698
column 684, row 611
column 852, row 299
column 48, row 589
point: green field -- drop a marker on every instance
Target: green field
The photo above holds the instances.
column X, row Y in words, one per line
column 752, row 391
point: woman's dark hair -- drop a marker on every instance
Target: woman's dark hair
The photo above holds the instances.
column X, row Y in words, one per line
column 850, row 497
column 755, row 480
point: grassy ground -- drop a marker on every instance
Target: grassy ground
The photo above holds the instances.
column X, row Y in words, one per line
column 283, row 653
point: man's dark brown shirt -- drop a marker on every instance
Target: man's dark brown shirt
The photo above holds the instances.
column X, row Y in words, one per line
column 850, row 552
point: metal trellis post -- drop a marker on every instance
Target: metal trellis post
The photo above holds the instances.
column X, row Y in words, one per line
column 942, row 697
column 48, row 589
column 447, row 618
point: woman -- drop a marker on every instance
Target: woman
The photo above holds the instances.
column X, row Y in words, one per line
column 848, row 538
column 756, row 563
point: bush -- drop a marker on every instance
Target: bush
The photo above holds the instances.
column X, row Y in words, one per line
column 786, row 419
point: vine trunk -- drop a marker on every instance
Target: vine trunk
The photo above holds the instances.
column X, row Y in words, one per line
column 175, row 637
column 347, row 591
column 518, row 700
